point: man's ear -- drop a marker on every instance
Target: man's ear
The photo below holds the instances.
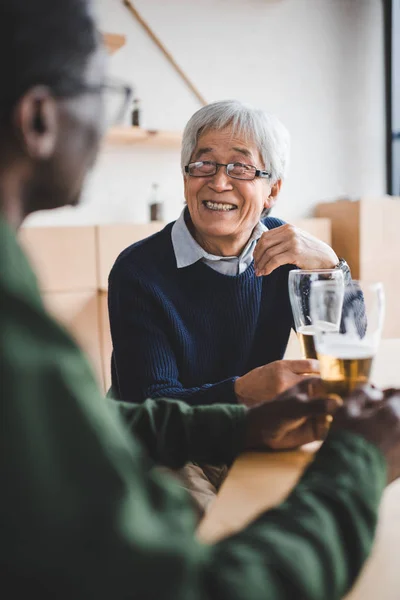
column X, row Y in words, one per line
column 36, row 122
column 270, row 201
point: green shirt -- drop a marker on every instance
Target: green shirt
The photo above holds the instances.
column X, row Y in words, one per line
column 83, row 516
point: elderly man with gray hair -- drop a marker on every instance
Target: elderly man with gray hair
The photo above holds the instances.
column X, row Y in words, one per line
column 200, row 311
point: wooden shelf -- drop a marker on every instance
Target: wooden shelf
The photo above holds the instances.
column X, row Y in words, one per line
column 139, row 136
column 114, row 41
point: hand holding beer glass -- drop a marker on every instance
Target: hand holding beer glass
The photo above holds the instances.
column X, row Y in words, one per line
column 299, row 292
column 346, row 353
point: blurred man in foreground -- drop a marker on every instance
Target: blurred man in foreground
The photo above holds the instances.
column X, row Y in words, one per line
column 81, row 513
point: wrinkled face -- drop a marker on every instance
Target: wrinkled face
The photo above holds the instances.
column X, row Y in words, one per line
column 219, row 205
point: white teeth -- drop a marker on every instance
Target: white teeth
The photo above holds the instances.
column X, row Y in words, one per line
column 219, row 206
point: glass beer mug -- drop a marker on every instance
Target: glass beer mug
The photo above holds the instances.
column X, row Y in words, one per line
column 299, row 293
column 346, row 354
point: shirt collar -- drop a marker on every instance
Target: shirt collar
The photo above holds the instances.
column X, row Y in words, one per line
column 188, row 251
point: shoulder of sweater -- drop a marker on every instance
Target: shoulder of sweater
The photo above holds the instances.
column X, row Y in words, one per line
column 272, row 222
column 139, row 256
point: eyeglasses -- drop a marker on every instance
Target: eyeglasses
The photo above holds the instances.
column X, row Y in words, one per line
column 208, row 168
column 116, row 98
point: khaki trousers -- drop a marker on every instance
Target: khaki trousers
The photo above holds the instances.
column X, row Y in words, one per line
column 201, row 481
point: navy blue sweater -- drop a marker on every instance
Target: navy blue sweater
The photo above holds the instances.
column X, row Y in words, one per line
column 189, row 333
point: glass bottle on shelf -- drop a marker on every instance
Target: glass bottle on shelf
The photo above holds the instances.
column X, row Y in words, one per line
column 156, row 207
column 136, row 113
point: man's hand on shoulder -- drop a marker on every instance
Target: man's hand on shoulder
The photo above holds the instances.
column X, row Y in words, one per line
column 288, row 245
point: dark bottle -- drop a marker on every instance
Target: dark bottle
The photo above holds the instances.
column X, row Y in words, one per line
column 156, row 206
column 136, row 113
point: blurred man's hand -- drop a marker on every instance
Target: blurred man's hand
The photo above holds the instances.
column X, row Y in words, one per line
column 296, row 417
column 375, row 415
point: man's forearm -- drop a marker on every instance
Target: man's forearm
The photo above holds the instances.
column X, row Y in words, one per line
column 174, row 433
column 313, row 545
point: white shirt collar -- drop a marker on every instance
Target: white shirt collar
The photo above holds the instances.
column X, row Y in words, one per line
column 188, row 251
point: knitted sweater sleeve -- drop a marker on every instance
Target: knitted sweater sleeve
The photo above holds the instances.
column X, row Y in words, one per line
column 173, row 432
column 144, row 362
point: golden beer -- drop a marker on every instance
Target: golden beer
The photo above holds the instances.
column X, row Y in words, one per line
column 305, row 333
column 306, row 339
column 342, row 374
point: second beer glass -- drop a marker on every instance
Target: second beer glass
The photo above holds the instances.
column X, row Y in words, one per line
column 346, row 355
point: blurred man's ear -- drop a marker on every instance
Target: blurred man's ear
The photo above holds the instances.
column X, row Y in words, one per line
column 36, row 122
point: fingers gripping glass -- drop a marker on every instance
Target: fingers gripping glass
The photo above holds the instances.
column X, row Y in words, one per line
column 208, row 168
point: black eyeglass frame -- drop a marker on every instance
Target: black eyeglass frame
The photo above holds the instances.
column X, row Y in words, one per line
column 257, row 172
column 109, row 86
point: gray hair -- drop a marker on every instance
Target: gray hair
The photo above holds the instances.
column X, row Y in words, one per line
column 267, row 132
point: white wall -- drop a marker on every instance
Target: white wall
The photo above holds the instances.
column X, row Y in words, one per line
column 317, row 64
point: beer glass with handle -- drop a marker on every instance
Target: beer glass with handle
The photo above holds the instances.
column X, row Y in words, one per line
column 299, row 293
column 346, row 355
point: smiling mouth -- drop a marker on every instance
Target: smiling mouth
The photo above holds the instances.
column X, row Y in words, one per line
column 219, row 206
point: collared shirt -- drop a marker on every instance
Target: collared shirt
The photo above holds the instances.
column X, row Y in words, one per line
column 188, row 251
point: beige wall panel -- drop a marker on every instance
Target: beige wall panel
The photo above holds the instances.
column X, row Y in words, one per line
column 344, row 216
column 319, row 228
column 64, row 258
column 112, row 239
column 79, row 313
column 380, row 254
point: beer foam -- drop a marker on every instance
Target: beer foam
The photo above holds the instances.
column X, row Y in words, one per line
column 346, row 350
column 324, row 326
